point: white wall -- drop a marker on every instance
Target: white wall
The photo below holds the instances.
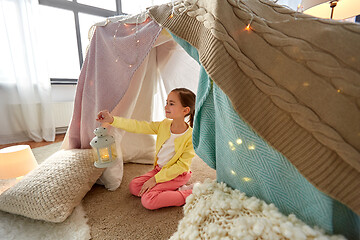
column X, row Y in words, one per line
column 63, row 93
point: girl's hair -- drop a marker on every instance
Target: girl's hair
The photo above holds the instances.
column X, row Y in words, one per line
column 187, row 99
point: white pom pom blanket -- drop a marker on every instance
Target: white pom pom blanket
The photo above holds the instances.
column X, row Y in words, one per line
column 215, row 211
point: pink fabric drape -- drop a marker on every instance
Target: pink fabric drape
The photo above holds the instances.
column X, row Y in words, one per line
column 115, row 52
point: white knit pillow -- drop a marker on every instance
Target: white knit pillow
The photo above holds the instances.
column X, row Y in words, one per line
column 51, row 191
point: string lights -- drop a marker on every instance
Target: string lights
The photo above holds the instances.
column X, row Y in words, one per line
column 239, row 142
column 136, row 40
column 231, row 145
column 248, row 28
column 172, row 9
column 184, row 7
column 251, row 147
column 246, row 179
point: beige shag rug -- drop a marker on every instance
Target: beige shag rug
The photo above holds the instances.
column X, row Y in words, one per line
column 104, row 214
column 119, row 215
column 215, row 211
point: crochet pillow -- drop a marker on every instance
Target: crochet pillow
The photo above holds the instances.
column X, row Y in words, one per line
column 51, row 191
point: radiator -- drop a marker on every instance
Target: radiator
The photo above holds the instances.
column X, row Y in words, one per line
column 62, row 115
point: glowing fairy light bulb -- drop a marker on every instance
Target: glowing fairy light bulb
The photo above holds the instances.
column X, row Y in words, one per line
column 238, row 141
column 246, row 179
column 248, row 28
column 251, row 147
column 231, row 145
column 130, row 65
column 233, row 172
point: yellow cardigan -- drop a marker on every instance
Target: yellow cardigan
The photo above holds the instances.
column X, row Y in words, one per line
column 184, row 150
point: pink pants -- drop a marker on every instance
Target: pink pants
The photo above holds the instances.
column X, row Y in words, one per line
column 164, row 194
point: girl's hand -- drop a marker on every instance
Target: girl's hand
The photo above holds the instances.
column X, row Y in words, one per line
column 105, row 117
column 147, row 186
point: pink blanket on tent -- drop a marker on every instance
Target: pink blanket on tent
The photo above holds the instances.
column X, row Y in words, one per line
column 115, row 52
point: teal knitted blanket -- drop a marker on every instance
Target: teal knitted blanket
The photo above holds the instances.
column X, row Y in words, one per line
column 244, row 161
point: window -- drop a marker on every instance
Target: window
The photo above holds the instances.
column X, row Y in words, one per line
column 65, row 29
column 64, row 33
column 58, row 36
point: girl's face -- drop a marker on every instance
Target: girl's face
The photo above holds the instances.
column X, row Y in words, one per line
column 173, row 108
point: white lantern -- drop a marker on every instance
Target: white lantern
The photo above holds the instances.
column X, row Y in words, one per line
column 104, row 148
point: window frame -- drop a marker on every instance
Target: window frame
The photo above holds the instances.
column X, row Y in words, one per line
column 77, row 8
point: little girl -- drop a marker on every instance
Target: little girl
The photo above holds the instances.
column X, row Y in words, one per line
column 174, row 151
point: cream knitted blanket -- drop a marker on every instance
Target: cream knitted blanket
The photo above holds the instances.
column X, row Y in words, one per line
column 215, row 211
column 295, row 79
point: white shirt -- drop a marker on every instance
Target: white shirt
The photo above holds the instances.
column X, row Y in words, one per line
column 167, row 150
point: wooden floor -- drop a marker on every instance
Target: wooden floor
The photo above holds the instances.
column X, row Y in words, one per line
column 32, row 144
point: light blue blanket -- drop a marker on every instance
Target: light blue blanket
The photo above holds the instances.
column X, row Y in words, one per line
column 244, row 161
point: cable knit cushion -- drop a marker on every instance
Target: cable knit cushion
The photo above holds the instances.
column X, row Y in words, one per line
column 51, row 191
column 215, row 211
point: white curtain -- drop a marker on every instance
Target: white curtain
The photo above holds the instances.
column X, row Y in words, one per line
column 25, row 90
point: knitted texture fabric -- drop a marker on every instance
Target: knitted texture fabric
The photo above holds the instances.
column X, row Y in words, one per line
column 286, row 79
column 244, row 161
column 215, row 211
column 51, row 191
